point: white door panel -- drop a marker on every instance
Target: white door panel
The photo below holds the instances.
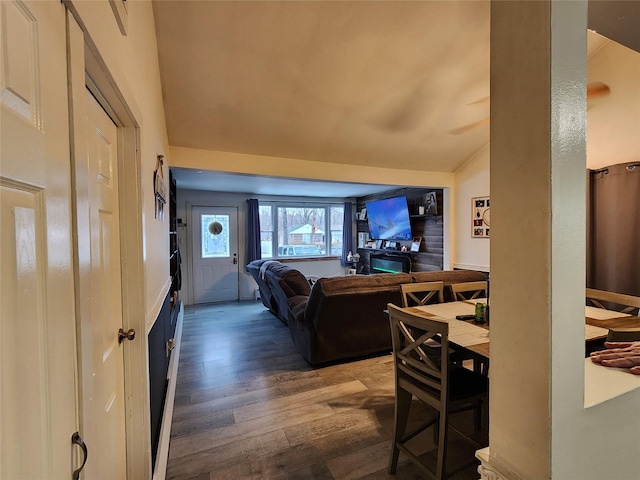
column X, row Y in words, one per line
column 103, row 425
column 37, row 329
column 215, row 254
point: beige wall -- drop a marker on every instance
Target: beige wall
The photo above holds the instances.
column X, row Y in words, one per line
column 294, row 168
column 132, row 60
column 471, row 180
column 613, row 122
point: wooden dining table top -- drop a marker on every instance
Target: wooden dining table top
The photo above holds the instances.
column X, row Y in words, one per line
column 468, row 335
column 474, row 337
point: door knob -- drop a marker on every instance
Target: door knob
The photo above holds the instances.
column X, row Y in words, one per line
column 235, row 259
column 129, row 335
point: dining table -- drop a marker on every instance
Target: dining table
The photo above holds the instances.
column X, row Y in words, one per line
column 473, row 337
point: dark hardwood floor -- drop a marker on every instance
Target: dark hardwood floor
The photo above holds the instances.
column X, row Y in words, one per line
column 248, row 406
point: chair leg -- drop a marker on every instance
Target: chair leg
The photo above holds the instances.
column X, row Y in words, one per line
column 403, row 404
column 442, row 446
column 477, row 416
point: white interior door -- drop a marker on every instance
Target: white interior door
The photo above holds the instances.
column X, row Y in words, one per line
column 37, row 329
column 103, row 408
column 215, row 254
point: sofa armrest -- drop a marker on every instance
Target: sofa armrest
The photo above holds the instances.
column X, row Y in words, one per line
column 297, row 307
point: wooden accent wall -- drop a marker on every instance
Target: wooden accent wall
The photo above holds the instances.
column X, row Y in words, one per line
column 430, row 227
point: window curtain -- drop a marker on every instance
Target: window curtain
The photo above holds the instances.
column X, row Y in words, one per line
column 252, row 238
column 347, row 233
column 613, row 228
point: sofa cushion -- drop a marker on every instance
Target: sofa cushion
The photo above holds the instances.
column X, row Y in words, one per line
column 295, row 283
column 257, row 270
column 352, row 285
column 297, row 305
column 284, row 282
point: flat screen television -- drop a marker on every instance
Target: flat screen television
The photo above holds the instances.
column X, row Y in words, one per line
column 389, row 219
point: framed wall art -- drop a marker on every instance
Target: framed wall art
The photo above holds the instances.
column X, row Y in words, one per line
column 363, row 238
column 480, row 220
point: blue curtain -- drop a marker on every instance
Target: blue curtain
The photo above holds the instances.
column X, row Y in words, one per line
column 252, row 238
column 347, row 233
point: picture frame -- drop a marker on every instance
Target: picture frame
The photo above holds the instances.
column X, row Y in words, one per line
column 378, row 244
column 363, row 238
column 480, row 217
column 363, row 214
column 430, row 203
column 415, row 244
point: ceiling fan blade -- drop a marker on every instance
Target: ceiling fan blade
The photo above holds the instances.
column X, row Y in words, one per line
column 594, row 90
column 484, row 100
column 597, row 89
column 469, row 126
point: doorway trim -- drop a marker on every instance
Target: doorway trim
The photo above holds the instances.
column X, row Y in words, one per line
column 85, row 62
column 187, row 271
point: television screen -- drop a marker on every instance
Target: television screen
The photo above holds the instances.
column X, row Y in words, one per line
column 389, row 219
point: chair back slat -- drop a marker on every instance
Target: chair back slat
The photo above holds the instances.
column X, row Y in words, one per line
column 420, row 293
column 629, row 303
column 623, row 335
column 410, row 369
column 468, row 290
column 409, row 333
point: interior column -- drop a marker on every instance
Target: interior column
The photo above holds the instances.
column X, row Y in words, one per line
column 538, row 111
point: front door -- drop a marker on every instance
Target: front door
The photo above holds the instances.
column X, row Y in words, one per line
column 103, row 409
column 215, row 254
column 37, row 328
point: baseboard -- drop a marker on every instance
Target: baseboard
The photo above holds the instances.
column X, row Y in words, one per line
column 162, row 456
column 491, row 469
column 467, row 266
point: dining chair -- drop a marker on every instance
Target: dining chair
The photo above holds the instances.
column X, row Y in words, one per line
column 417, row 294
column 630, row 303
column 623, row 335
column 446, row 388
column 468, row 290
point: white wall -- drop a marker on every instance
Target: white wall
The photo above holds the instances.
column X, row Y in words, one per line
column 188, row 198
column 471, row 180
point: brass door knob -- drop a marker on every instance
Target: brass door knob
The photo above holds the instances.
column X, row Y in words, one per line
column 129, row 335
column 170, row 345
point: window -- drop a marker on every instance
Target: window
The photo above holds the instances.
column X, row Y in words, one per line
column 266, row 230
column 215, row 236
column 300, row 231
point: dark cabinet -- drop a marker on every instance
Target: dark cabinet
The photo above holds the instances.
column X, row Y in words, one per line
column 175, row 259
column 161, row 336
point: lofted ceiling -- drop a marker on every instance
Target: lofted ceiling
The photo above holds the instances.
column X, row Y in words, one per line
column 377, row 84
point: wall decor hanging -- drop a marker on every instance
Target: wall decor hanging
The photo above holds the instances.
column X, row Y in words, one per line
column 159, row 189
column 480, row 220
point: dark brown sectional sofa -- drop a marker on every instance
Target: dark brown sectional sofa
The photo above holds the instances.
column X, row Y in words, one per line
column 340, row 317
column 278, row 283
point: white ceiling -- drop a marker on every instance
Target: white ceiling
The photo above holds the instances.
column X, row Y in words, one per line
column 375, row 84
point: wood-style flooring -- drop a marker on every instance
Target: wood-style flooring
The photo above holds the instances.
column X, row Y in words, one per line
column 248, row 406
